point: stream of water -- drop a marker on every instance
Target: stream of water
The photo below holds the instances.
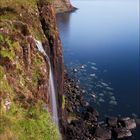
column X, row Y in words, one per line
column 51, row 91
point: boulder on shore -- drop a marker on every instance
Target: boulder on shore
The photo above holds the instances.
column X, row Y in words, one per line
column 120, row 133
column 112, row 121
column 103, row 133
column 128, row 123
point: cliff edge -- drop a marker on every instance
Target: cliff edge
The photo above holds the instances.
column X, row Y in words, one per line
column 62, row 6
column 25, row 110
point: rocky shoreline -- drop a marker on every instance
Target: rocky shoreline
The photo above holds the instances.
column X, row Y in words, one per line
column 82, row 120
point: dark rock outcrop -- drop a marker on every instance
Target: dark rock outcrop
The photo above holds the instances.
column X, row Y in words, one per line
column 103, row 133
column 128, row 123
column 120, row 133
column 112, row 121
column 82, row 119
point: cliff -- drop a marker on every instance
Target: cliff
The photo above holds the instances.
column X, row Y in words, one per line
column 24, row 71
column 62, row 6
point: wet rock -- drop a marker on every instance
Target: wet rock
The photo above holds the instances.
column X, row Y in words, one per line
column 93, row 111
column 113, row 98
column 94, row 68
column 104, row 84
column 110, row 93
column 102, row 133
column 75, row 70
column 98, row 139
column 134, row 115
column 112, row 102
column 83, row 91
column 101, row 100
column 101, row 94
column 82, row 67
column 88, row 116
column 137, row 121
column 86, row 104
column 93, row 95
column 109, row 88
column 128, row 123
column 101, row 123
column 93, row 75
column 112, row 121
column 78, row 97
column 87, row 126
column 77, row 86
column 120, row 133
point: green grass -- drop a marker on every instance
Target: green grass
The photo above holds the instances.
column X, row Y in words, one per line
column 32, row 124
column 35, row 77
column 24, row 11
column 24, row 120
column 4, row 85
column 63, row 102
column 1, row 72
column 7, row 51
column 1, row 39
column 26, row 3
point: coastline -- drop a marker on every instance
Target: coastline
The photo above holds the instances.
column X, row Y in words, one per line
column 82, row 120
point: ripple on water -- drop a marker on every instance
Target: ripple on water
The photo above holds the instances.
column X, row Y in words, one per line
column 94, row 68
column 93, row 75
column 92, row 63
column 104, row 84
column 110, row 93
column 101, row 94
column 109, row 88
column 101, row 100
column 112, row 102
column 113, row 98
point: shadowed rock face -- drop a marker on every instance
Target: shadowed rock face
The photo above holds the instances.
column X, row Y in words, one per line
column 48, row 22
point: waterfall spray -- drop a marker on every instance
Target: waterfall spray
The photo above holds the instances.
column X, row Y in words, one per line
column 51, row 90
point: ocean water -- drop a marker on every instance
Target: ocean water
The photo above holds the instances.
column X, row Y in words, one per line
column 101, row 50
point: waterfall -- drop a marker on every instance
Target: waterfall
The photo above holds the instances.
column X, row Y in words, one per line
column 52, row 91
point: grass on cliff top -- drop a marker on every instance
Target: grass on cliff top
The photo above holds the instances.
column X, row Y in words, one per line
column 25, row 11
column 14, row 8
column 26, row 3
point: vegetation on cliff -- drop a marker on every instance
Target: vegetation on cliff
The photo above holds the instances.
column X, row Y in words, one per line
column 24, row 72
column 62, row 6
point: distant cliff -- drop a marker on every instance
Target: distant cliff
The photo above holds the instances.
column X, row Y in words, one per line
column 62, row 6
column 24, row 72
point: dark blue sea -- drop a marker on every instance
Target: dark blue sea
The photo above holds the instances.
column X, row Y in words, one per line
column 101, row 51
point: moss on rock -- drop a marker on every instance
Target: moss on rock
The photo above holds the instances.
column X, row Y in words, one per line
column 24, row 74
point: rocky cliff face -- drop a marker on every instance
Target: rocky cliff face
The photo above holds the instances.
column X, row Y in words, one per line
column 62, row 6
column 24, row 72
column 55, row 51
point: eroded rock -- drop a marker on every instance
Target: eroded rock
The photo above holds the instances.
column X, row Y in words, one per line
column 128, row 123
column 120, row 133
column 112, row 121
column 103, row 133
